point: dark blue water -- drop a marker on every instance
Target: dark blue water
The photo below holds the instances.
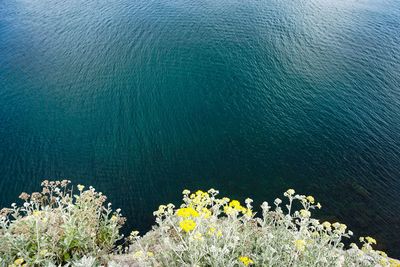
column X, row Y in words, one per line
column 144, row 98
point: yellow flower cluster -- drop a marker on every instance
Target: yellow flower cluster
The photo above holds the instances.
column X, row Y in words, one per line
column 187, row 212
column 36, row 213
column 195, row 206
column 142, row 255
column 200, row 198
column 311, row 199
column 370, row 240
column 198, row 205
column 234, row 207
column 80, row 187
column 213, row 231
column 394, row 263
column 327, row 225
column 187, row 225
column 289, row 192
column 246, row 260
column 300, row 244
column 305, row 213
column 198, row 236
column 206, row 213
column 204, row 205
column 18, row 262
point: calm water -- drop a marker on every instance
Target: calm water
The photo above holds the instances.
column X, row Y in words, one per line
column 144, row 98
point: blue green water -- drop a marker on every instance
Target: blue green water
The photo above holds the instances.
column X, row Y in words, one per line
column 144, row 98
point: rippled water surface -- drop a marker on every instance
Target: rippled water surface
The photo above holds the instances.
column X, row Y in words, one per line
column 144, row 98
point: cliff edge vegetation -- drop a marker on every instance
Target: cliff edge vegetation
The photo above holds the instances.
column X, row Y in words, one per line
column 63, row 226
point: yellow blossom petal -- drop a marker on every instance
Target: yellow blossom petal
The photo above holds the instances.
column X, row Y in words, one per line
column 187, row 225
column 311, row 199
column 19, row 261
column 246, row 260
column 300, row 244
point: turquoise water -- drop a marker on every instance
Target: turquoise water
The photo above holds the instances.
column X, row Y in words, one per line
column 144, row 98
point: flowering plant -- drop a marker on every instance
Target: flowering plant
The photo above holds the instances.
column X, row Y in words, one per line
column 210, row 231
column 57, row 226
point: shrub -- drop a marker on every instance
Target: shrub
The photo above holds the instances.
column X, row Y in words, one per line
column 57, row 226
column 209, row 231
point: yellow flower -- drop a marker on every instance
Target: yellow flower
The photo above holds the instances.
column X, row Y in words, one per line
column 315, row 234
column 305, row 213
column 300, row 244
column 197, row 201
column 225, row 199
column 290, row 192
column 370, row 240
column 187, row 212
column 206, row 213
column 80, row 187
column 19, row 261
column 211, row 231
column 138, row 254
column 229, row 210
column 342, row 228
column 36, row 213
column 198, row 236
column 161, row 210
column 114, row 218
column 365, row 248
column 43, row 252
column 394, row 263
column 353, row 246
column 199, row 192
column 150, row 254
column 248, row 213
column 319, row 205
column 187, row 225
column 237, row 206
column 219, row 234
column 246, row 260
column 383, row 262
column 234, row 204
column 310, row 199
column 327, row 225
column 383, row 254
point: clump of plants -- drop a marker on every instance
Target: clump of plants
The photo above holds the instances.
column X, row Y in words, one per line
column 210, row 231
column 59, row 226
column 63, row 227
